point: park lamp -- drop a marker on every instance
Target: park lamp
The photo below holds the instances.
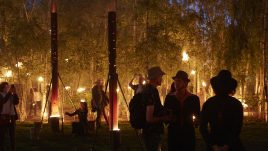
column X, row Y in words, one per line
column 8, row 74
column 193, row 72
column 19, row 65
column 185, row 56
column 40, row 79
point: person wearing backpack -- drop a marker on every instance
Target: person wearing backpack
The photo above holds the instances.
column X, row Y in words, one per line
column 155, row 112
column 185, row 107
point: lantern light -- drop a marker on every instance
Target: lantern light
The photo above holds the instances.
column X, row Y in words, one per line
column 8, row 74
column 19, row 65
column 67, row 88
column 204, row 84
column 185, row 56
column 144, row 82
column 80, row 90
column 40, row 79
column 193, row 72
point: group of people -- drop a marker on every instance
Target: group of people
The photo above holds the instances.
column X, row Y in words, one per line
column 98, row 103
column 219, row 122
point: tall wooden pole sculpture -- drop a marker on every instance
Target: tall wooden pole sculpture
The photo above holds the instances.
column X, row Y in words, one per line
column 54, row 117
column 113, row 79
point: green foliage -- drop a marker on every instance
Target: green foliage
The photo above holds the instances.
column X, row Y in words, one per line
column 216, row 35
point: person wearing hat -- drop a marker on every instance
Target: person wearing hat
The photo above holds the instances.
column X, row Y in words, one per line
column 185, row 108
column 224, row 114
column 99, row 101
column 155, row 112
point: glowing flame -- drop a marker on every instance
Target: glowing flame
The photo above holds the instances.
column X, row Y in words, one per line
column 204, row 84
column 117, row 90
column 19, row 65
column 9, row 74
column 40, row 79
column 56, row 115
column 185, row 56
column 144, row 82
column 45, row 114
column 129, row 87
column 193, row 72
column 83, row 100
column 80, row 90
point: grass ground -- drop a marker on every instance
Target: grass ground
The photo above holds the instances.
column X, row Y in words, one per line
column 254, row 136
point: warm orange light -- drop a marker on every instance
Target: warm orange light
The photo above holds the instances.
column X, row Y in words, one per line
column 185, row 56
column 144, row 82
column 8, row 74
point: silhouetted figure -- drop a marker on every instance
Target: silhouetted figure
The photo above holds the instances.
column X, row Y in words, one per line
column 99, row 102
column 138, row 88
column 155, row 112
column 185, row 109
column 8, row 114
column 222, row 115
column 31, row 101
column 82, row 127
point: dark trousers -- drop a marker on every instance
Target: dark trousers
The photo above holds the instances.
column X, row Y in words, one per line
column 10, row 129
column 181, row 141
column 101, row 112
column 152, row 141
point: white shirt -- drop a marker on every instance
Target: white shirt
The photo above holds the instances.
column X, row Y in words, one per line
column 8, row 107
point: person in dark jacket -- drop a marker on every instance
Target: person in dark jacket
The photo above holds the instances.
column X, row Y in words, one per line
column 185, row 108
column 8, row 114
column 155, row 112
column 222, row 115
column 82, row 128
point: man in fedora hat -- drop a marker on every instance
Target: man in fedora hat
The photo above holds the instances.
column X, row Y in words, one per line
column 155, row 112
column 224, row 114
column 185, row 107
